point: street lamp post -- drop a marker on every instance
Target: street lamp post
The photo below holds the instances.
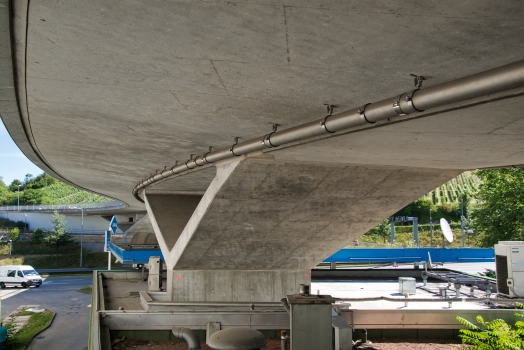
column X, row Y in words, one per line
column 81, row 236
column 19, row 197
column 462, row 216
column 10, row 246
column 430, row 230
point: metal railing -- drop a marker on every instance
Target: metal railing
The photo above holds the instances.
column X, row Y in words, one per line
column 114, row 204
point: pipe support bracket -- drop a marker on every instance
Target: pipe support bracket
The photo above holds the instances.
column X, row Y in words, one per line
column 406, row 102
column 323, row 124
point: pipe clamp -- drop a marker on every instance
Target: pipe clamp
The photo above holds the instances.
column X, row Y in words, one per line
column 362, row 111
column 267, row 141
column 323, row 125
column 406, row 102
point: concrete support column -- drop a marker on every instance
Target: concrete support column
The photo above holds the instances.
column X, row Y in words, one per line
column 176, row 217
column 237, row 285
column 169, row 215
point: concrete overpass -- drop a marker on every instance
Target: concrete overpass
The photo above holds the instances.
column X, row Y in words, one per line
column 118, row 97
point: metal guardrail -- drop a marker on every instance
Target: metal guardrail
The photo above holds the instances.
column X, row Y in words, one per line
column 65, row 207
column 385, row 255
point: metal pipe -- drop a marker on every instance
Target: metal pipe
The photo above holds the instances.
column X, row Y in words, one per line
column 283, row 340
column 432, row 300
column 188, row 335
column 492, row 81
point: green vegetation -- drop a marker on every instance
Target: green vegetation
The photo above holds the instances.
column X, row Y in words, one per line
column 14, row 234
column 58, row 236
column 86, row 290
column 41, row 256
column 466, row 183
column 496, row 334
column 36, row 323
column 381, row 231
column 493, row 203
column 499, row 214
column 89, row 259
column 44, row 189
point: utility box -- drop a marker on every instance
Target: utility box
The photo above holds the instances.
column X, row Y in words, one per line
column 154, row 279
column 407, row 285
column 310, row 324
column 509, row 265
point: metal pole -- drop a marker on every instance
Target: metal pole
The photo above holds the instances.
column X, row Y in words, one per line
column 109, row 261
column 81, row 236
column 10, row 246
column 430, row 230
column 19, row 197
column 415, row 231
column 462, row 216
column 392, row 230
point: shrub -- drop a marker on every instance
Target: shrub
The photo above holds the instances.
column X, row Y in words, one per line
column 37, row 236
column 14, row 234
column 496, row 334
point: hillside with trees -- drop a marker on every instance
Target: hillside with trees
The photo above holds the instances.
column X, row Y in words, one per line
column 44, row 189
column 492, row 202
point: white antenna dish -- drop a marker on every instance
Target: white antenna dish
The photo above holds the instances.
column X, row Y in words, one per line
column 446, row 230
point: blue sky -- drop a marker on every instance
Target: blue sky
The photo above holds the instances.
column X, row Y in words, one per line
column 13, row 163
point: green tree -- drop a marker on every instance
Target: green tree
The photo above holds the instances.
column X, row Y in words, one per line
column 13, row 187
column 499, row 213
column 382, row 230
column 37, row 236
column 30, row 196
column 14, row 234
column 58, row 237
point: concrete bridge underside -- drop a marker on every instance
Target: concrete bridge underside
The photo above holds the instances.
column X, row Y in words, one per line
column 103, row 94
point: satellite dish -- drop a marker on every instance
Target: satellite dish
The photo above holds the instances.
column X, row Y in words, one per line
column 446, row 230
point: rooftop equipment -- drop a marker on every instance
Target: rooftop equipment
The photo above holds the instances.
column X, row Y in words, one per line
column 509, row 265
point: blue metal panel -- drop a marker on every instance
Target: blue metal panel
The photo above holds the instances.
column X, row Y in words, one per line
column 380, row 255
column 138, row 256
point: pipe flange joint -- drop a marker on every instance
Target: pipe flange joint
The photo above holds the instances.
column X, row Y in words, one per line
column 323, row 125
column 267, row 141
column 362, row 111
column 187, row 166
column 199, row 161
column 205, row 159
column 406, row 103
column 396, row 107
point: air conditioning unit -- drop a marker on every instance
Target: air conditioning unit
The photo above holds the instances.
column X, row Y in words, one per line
column 509, row 265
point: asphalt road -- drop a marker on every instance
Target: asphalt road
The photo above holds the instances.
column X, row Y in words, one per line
column 70, row 327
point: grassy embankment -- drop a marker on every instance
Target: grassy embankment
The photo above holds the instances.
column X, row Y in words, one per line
column 36, row 323
column 42, row 257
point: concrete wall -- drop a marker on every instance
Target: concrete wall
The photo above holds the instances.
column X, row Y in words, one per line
column 44, row 221
column 91, row 243
column 237, row 285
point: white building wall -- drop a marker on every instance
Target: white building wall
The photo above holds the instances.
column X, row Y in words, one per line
column 44, row 221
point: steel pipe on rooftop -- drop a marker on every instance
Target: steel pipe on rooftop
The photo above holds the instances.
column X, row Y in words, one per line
column 477, row 85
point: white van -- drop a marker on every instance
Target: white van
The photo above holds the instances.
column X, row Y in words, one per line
column 23, row 275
